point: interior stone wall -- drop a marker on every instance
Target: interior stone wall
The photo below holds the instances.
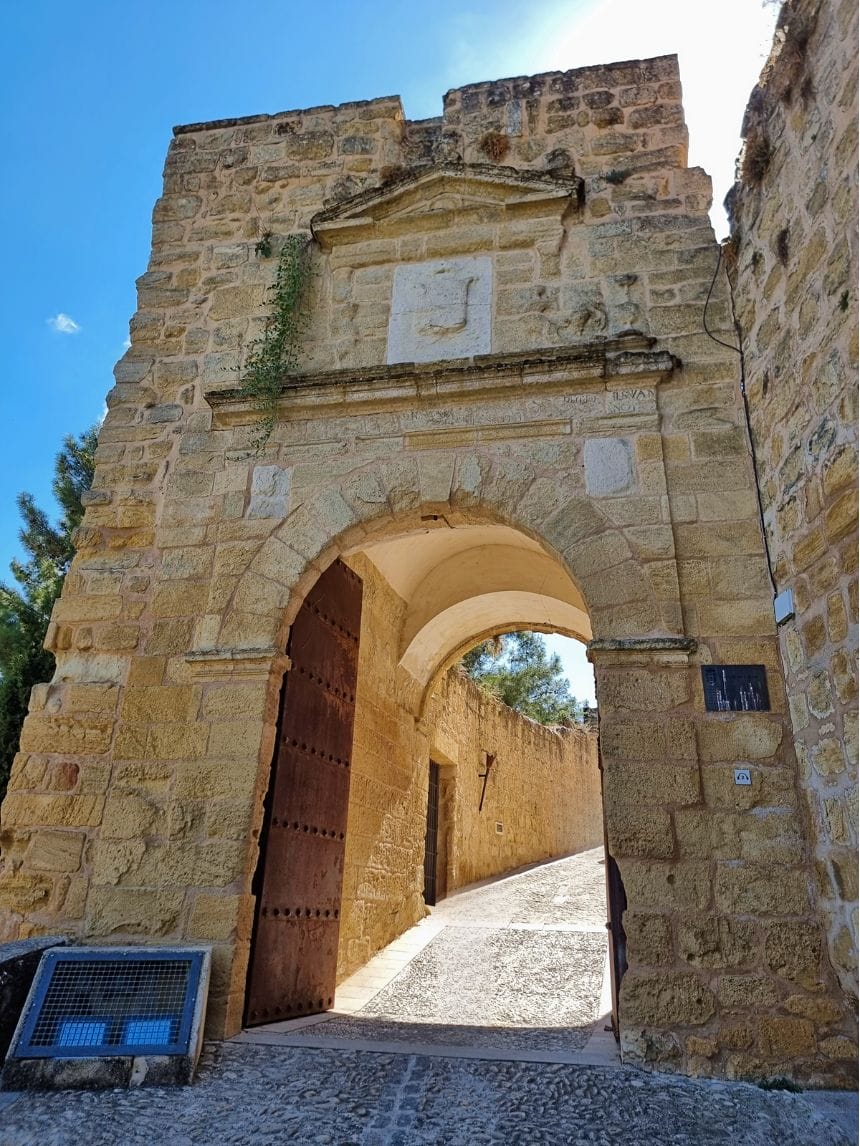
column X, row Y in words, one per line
column 387, row 816
column 605, row 426
column 543, row 787
column 794, row 268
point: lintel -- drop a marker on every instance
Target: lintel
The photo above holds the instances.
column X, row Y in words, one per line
column 641, row 650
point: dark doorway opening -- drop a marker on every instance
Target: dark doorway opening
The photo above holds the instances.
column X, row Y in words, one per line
column 616, row 902
column 431, row 838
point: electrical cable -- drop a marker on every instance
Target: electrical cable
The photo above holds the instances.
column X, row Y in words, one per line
column 739, row 351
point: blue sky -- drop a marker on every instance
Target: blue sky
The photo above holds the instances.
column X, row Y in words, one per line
column 89, row 93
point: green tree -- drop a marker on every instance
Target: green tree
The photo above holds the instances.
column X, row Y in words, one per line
column 25, row 609
column 518, row 670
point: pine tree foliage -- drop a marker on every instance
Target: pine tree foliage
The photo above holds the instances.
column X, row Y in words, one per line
column 25, row 608
column 518, row 670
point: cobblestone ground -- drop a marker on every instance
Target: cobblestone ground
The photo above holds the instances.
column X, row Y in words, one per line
column 513, row 929
column 266, row 1095
column 489, row 988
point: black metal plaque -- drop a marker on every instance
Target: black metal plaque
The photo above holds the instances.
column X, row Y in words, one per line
column 735, row 688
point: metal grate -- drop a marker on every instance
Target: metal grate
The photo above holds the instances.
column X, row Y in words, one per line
column 103, row 1002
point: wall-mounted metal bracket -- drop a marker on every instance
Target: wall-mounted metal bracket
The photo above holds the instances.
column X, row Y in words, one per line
column 489, row 761
column 783, row 606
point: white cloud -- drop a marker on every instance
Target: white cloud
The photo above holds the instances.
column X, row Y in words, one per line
column 126, row 344
column 63, row 324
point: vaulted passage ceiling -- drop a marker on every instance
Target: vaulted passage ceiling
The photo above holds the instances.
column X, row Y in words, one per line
column 463, row 584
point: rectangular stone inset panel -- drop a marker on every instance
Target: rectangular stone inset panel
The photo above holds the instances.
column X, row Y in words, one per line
column 441, row 309
column 270, row 492
column 608, row 466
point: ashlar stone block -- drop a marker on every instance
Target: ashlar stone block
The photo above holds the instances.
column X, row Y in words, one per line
column 608, row 466
column 665, row 999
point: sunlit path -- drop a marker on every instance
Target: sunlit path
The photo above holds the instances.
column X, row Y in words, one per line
column 515, row 965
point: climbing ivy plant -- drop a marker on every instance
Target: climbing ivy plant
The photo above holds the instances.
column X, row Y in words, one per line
column 276, row 352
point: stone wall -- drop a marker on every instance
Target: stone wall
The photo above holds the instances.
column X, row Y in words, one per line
column 388, row 790
column 545, row 789
column 794, row 239
column 603, row 429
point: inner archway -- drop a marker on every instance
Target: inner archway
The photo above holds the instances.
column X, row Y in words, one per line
column 463, row 583
column 430, row 593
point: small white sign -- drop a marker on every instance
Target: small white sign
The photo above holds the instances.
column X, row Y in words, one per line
column 742, row 776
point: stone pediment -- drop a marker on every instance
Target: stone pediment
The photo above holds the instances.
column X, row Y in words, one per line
column 432, row 196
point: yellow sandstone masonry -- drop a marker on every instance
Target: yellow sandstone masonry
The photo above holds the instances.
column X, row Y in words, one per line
column 506, row 414
column 796, row 231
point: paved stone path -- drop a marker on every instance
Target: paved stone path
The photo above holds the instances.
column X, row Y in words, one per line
column 471, row 1094
column 517, row 962
column 569, row 892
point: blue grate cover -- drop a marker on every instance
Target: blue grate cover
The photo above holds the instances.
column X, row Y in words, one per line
column 89, row 1002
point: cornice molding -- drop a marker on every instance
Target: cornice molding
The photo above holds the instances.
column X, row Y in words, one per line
column 626, row 361
column 233, row 662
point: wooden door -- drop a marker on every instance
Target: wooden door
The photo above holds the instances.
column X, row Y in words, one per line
column 300, row 874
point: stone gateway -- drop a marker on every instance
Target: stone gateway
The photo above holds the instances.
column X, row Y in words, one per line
column 506, row 414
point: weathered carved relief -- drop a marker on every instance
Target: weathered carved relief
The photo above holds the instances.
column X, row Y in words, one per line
column 270, row 492
column 441, row 309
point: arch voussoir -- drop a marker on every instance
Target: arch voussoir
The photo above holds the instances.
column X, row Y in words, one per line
column 389, row 495
column 278, row 562
column 508, row 482
column 402, row 480
column 367, row 493
column 435, row 477
column 470, row 473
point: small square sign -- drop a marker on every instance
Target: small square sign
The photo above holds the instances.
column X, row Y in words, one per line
column 735, row 688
